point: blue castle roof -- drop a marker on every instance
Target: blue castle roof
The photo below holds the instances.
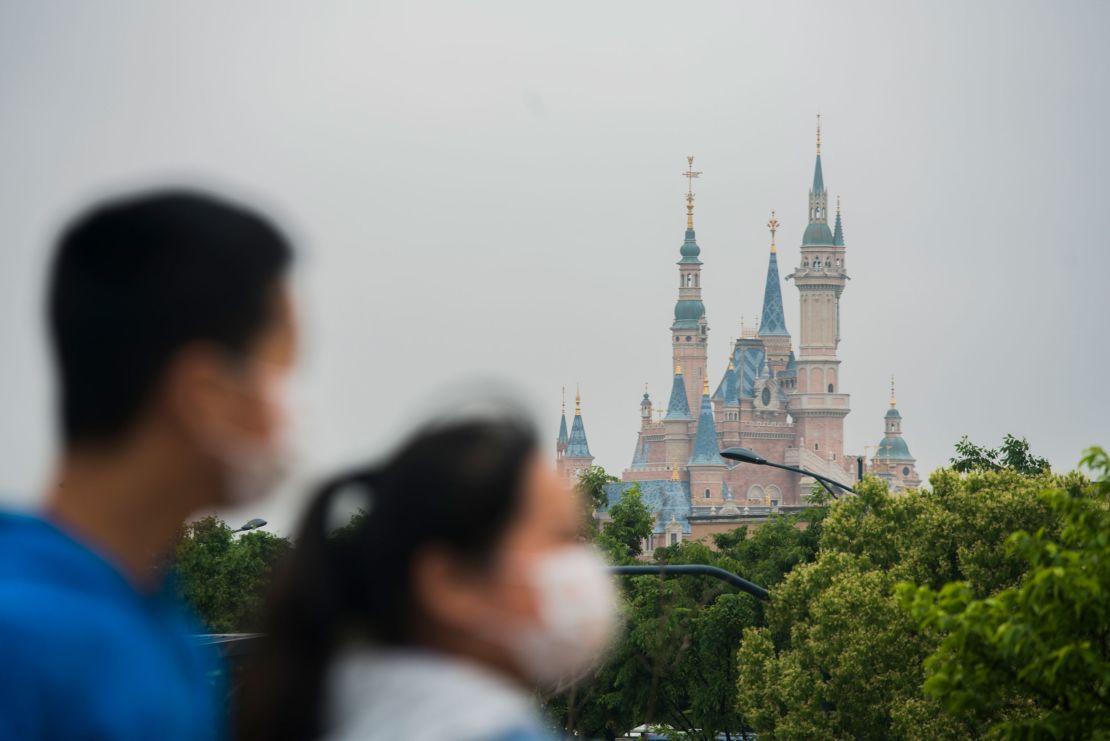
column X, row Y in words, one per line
column 688, row 313
column 772, row 322
column 577, row 447
column 665, row 499
column 706, row 450
column 893, row 449
column 690, row 249
column 749, row 361
column 818, row 177
column 838, row 231
column 728, row 390
column 679, row 407
column 563, row 429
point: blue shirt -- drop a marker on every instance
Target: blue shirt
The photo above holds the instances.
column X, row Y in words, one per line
column 83, row 655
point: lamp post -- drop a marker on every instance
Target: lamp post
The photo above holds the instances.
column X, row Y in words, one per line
column 252, row 524
column 750, row 456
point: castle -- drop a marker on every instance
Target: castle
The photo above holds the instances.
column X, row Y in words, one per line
column 786, row 406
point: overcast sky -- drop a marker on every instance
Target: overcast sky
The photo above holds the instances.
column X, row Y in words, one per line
column 494, row 189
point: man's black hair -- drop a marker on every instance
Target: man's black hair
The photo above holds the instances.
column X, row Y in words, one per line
column 136, row 279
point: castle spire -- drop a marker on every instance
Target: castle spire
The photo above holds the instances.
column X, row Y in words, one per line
column 818, row 232
column 690, row 175
column 893, row 401
column 707, row 451
column 679, row 405
column 773, row 226
column 577, row 446
column 563, row 439
column 838, row 228
column 773, row 322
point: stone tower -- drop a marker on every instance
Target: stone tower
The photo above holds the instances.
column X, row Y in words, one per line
column 689, row 331
column 816, row 403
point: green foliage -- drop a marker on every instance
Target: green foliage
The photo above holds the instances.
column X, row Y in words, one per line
column 1032, row 661
column 224, row 575
column 591, row 485
column 621, row 538
column 1012, row 455
column 675, row 663
column 839, row 656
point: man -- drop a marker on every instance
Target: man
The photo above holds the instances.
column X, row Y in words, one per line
column 172, row 330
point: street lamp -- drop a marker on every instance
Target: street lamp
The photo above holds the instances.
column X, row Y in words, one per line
column 254, row 524
column 750, row 456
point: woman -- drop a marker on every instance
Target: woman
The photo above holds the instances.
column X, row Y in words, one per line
column 463, row 588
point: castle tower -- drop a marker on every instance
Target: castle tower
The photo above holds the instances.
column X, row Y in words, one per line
column 892, row 461
column 772, row 326
column 816, row 404
column 676, row 425
column 706, row 466
column 645, row 409
column 577, row 458
column 726, row 405
column 689, row 332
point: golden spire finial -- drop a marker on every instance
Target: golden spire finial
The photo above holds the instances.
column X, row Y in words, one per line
column 731, row 365
column 773, row 225
column 838, row 203
column 818, row 133
column 577, row 400
column 892, row 400
column 674, row 473
column 564, row 400
column 690, row 175
column 677, row 368
column 705, row 386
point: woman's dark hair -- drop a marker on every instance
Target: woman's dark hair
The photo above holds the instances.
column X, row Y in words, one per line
column 456, row 485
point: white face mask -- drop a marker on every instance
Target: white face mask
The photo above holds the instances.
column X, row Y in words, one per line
column 577, row 617
column 254, row 468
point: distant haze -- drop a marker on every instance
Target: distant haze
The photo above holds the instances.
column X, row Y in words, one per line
column 493, row 189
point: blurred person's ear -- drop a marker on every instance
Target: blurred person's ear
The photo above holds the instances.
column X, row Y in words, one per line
column 448, row 591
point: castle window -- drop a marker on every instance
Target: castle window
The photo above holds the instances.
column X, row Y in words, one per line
column 815, row 446
column 674, row 538
column 830, row 388
column 707, row 495
column 689, row 338
column 905, row 470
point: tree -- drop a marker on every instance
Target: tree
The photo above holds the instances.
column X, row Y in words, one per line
column 632, row 522
column 225, row 576
column 1012, row 455
column 839, row 656
column 1033, row 660
column 591, row 485
column 674, row 663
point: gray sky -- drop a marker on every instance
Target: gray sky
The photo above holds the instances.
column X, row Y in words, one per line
column 494, row 188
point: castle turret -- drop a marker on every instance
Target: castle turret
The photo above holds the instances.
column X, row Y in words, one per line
column 689, row 331
column 816, row 403
column 893, row 461
column 676, row 424
column 706, row 465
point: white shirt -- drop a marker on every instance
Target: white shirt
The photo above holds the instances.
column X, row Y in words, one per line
column 422, row 696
